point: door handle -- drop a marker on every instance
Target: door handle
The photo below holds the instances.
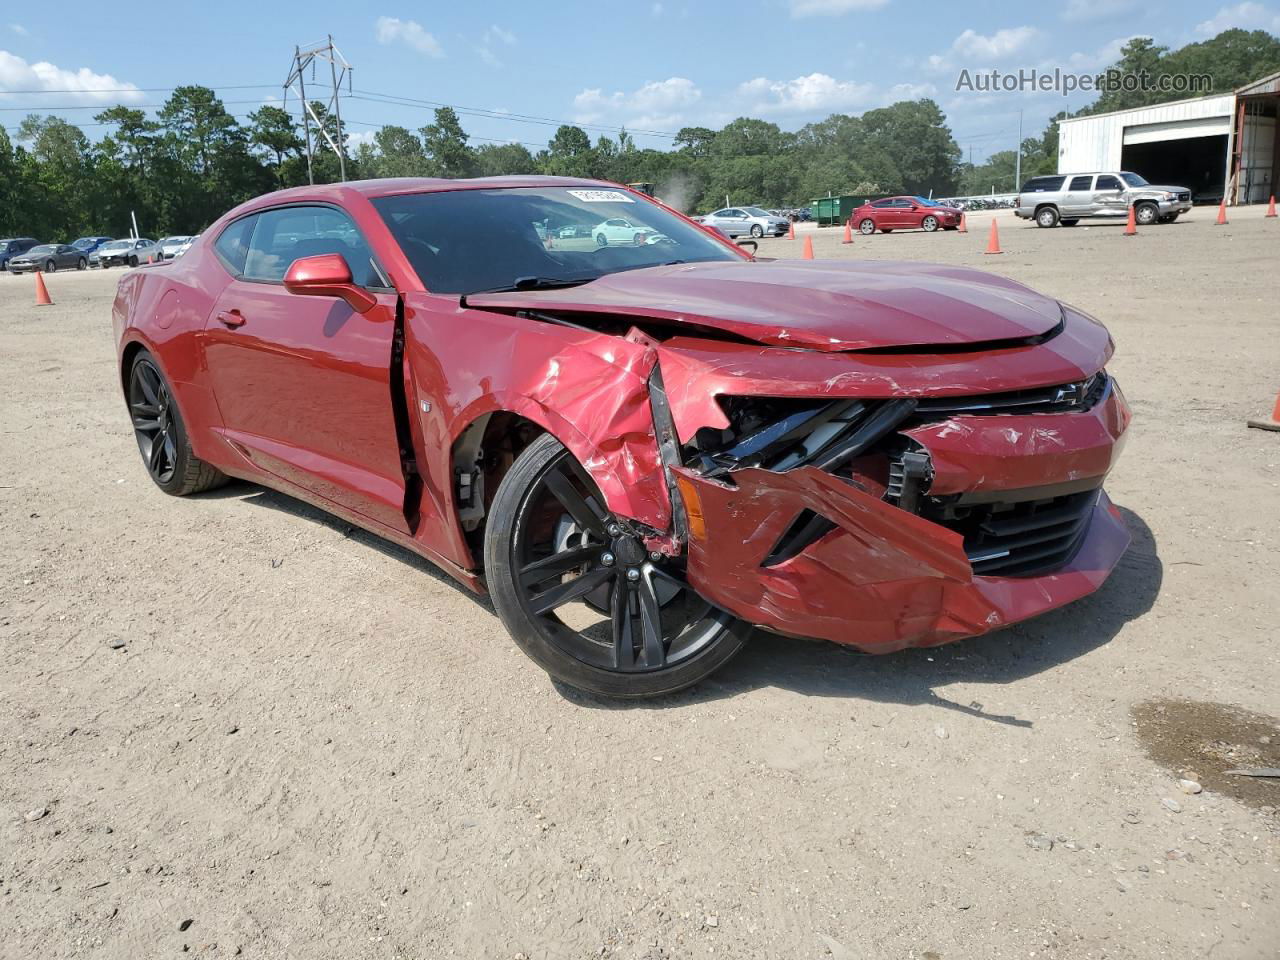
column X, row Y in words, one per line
column 231, row 318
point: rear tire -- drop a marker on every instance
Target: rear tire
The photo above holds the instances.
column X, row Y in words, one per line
column 82, row 264
column 1047, row 217
column 161, row 433
column 548, row 523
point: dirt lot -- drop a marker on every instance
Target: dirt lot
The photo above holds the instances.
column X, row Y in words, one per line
column 232, row 725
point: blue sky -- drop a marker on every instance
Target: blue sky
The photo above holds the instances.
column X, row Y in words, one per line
column 652, row 66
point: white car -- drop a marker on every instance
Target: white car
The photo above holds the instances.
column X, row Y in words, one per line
column 747, row 221
column 618, row 230
column 169, row 246
column 127, row 253
column 184, row 247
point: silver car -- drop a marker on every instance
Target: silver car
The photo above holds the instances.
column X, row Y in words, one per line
column 747, row 221
column 1070, row 198
column 169, row 246
column 127, row 253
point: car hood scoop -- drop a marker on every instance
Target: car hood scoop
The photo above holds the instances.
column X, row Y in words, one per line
column 814, row 305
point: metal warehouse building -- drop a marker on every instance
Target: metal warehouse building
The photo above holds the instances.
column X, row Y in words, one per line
column 1225, row 144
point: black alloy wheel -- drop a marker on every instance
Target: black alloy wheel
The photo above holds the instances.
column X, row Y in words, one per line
column 151, row 407
column 161, row 434
column 584, row 598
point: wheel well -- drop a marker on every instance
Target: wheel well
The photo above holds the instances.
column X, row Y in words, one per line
column 131, row 350
column 481, row 457
column 1046, row 206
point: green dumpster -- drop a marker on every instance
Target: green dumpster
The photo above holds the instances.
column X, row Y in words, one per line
column 832, row 211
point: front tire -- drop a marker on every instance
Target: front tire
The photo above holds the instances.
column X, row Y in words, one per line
column 133, row 261
column 161, row 433
column 581, row 596
column 757, row 231
column 1047, row 217
column 867, row 227
column 929, row 224
column 50, row 266
column 1146, row 214
column 601, row 240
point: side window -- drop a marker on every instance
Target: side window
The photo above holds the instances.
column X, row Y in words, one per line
column 720, row 213
column 1108, row 182
column 1080, row 183
column 286, row 234
column 232, row 246
column 883, row 203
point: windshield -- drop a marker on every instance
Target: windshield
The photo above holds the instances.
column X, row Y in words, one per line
column 83, row 242
column 757, row 212
column 169, row 241
column 466, row 241
column 43, row 248
column 925, row 202
column 117, row 245
column 1133, row 180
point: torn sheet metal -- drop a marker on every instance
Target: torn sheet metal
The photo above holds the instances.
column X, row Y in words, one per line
column 698, row 371
column 590, row 390
column 882, row 580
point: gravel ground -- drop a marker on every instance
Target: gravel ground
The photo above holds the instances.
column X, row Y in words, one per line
column 233, row 725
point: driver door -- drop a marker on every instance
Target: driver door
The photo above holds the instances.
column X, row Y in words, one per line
column 1109, row 198
column 303, row 383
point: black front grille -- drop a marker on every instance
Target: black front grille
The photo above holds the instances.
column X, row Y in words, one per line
column 1020, row 538
column 1066, row 397
column 1184, row 196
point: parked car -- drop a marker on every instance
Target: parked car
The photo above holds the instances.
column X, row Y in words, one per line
column 638, row 451
column 904, row 213
column 14, row 246
column 87, row 245
column 1069, row 198
column 127, row 253
column 169, row 246
column 48, row 257
column 617, row 230
column 747, row 221
column 183, row 248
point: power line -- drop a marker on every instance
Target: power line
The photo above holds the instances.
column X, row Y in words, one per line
column 229, row 86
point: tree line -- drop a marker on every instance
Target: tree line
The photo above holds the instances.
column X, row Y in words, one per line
column 180, row 169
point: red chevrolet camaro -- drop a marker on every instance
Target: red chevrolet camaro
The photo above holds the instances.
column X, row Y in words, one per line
column 640, row 451
column 904, row 213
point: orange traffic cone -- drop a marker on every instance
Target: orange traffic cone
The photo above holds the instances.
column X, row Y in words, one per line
column 848, row 231
column 993, row 240
column 42, row 292
column 1131, row 228
column 1271, row 207
column 964, row 227
column 791, row 231
column 1222, row 213
column 1273, row 423
column 807, row 253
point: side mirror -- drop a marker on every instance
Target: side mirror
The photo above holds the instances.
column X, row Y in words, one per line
column 327, row 276
column 755, row 247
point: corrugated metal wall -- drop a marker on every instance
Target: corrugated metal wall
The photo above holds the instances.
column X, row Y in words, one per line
column 1095, row 143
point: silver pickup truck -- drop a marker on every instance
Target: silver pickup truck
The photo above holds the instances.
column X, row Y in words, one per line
column 1069, row 198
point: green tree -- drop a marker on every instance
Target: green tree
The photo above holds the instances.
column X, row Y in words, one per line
column 504, row 159
column 273, row 131
column 569, row 153
column 445, row 144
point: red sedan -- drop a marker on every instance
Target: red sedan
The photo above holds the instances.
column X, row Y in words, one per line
column 640, row 452
column 904, row 213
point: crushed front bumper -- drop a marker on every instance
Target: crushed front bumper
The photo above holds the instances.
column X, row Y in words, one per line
column 884, row 578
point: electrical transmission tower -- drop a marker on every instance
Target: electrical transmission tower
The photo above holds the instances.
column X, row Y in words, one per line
column 339, row 73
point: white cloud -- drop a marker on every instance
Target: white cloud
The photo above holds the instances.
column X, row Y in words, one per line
column 1245, row 16
column 662, row 104
column 17, row 74
column 812, row 94
column 832, row 8
column 355, row 140
column 494, row 36
column 409, row 32
column 19, row 29
column 496, row 33
column 1088, row 11
column 975, row 49
column 657, row 9
column 1082, row 61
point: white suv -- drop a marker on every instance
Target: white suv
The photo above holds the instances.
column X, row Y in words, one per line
column 1068, row 198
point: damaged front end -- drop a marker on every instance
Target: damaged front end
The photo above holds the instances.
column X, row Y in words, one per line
column 886, row 522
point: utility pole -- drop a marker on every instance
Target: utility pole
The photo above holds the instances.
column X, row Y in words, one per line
column 339, row 72
column 1017, row 164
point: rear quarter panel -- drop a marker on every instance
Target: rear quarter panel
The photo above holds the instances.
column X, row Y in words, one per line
column 163, row 309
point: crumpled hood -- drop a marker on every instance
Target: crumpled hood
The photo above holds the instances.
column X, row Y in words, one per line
column 814, row 304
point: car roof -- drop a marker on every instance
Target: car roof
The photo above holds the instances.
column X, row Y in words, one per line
column 396, row 186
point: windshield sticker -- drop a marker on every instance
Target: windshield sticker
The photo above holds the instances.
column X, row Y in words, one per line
column 601, row 196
